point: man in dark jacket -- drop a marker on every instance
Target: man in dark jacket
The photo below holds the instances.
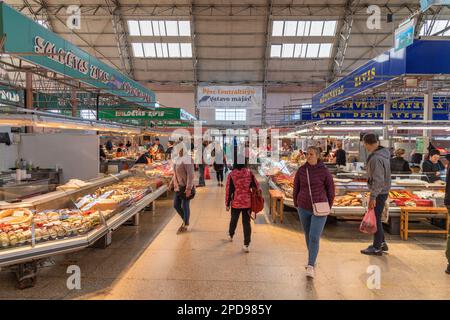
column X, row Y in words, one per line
column 447, row 203
column 341, row 155
column 379, row 183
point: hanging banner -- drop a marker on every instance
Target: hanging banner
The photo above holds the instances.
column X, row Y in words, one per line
column 249, row 97
column 160, row 114
column 32, row 42
column 404, row 34
column 411, row 109
column 432, row 55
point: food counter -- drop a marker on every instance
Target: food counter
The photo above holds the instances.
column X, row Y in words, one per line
column 74, row 217
column 15, row 190
column 351, row 194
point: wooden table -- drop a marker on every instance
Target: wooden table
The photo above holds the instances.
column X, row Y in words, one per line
column 276, row 199
column 421, row 212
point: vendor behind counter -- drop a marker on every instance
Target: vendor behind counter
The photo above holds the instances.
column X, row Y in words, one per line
column 398, row 164
column 433, row 167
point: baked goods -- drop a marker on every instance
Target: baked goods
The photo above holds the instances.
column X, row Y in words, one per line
column 16, row 216
column 351, row 199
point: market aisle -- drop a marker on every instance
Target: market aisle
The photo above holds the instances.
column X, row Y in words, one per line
column 201, row 264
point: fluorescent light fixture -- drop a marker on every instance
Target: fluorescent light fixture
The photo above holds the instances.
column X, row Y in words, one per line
column 350, row 128
column 423, row 128
column 63, row 123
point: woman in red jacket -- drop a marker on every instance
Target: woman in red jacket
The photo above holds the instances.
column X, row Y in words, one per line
column 238, row 197
column 322, row 190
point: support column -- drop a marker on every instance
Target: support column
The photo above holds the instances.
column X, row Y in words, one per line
column 386, row 117
column 74, row 102
column 29, row 95
column 428, row 108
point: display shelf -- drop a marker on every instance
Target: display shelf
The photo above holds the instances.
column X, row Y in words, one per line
column 117, row 220
column 59, row 194
column 50, row 248
column 69, row 244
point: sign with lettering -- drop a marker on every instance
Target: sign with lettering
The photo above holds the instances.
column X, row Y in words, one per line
column 32, row 42
column 422, row 57
column 229, row 97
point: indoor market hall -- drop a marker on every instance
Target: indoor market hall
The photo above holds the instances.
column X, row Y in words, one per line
column 152, row 261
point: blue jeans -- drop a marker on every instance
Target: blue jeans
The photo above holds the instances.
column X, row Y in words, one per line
column 201, row 171
column 182, row 207
column 313, row 227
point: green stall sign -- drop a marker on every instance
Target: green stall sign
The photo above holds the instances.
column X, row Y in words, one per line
column 158, row 114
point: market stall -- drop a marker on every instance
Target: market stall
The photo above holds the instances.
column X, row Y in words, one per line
column 351, row 191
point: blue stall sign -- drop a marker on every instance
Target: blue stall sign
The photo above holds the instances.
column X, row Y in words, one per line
column 432, row 54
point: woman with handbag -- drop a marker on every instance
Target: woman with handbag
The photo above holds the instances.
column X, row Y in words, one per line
column 183, row 185
column 313, row 197
column 238, row 198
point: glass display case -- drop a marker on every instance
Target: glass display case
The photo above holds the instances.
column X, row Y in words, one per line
column 352, row 190
column 73, row 217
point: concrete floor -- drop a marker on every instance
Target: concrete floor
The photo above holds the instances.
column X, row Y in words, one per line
column 152, row 262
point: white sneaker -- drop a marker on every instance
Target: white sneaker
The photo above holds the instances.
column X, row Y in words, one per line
column 230, row 238
column 246, row 249
column 310, row 272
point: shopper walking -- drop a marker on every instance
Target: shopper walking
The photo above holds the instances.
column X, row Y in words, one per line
column 219, row 167
column 313, row 183
column 240, row 182
column 201, row 166
column 447, row 203
column 183, row 185
column 379, row 183
column 398, row 163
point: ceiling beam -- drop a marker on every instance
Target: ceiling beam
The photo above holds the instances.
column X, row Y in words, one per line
column 147, row 9
column 43, row 11
column 91, row 46
column 343, row 37
column 120, row 31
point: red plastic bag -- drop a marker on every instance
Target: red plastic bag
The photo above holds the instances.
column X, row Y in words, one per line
column 207, row 175
column 369, row 222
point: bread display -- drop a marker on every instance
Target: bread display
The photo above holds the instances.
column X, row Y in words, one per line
column 351, row 199
column 15, row 216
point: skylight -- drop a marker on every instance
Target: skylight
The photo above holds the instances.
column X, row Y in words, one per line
column 317, row 28
column 301, row 50
column 162, row 50
column 428, row 28
column 169, row 28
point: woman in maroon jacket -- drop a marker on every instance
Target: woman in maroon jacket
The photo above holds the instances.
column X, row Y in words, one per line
column 238, row 197
column 322, row 190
